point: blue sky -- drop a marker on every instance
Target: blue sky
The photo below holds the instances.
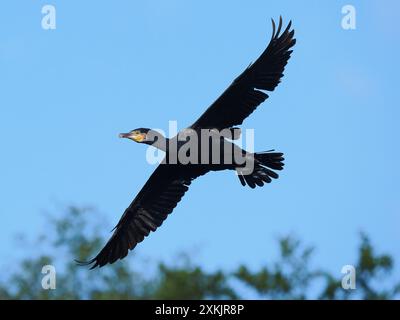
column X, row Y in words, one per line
column 112, row 66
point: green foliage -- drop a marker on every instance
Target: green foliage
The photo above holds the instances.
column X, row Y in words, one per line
column 191, row 282
column 372, row 270
column 290, row 277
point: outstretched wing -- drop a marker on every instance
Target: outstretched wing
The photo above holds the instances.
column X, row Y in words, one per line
column 241, row 98
column 158, row 197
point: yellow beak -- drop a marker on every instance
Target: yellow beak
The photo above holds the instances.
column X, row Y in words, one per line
column 138, row 137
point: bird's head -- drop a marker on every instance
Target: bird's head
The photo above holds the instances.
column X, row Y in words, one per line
column 140, row 135
column 147, row 136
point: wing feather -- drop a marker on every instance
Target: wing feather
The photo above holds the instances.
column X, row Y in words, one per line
column 156, row 200
column 245, row 93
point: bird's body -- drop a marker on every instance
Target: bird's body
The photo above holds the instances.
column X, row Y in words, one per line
column 203, row 147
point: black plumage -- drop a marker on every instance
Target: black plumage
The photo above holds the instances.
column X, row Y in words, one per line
column 169, row 182
column 243, row 96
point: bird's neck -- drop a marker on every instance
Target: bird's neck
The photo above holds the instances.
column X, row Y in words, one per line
column 161, row 143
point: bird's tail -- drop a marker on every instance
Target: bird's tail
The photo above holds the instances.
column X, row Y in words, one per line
column 264, row 164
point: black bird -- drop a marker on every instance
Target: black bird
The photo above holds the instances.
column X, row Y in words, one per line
column 169, row 182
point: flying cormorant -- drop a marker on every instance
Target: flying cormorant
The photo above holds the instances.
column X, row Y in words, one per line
column 169, row 182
